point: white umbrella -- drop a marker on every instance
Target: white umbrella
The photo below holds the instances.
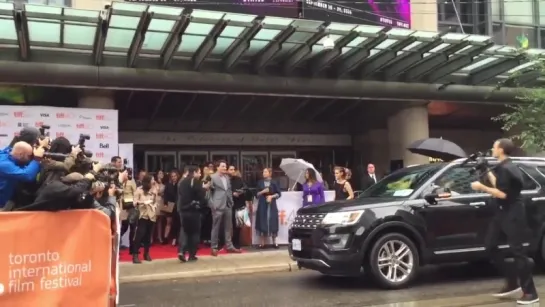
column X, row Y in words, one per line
column 295, row 169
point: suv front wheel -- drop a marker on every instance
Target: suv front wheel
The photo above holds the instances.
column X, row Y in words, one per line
column 393, row 261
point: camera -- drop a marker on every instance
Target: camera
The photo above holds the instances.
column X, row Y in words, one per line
column 481, row 164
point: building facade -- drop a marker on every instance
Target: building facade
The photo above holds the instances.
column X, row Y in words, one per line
column 519, row 23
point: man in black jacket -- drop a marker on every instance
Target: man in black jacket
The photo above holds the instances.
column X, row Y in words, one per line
column 190, row 203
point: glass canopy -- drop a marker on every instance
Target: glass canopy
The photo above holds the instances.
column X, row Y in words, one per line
column 164, row 37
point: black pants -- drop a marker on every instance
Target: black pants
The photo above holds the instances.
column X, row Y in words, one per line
column 191, row 221
column 143, row 235
column 181, row 234
column 510, row 227
column 236, row 230
column 206, row 225
column 131, row 227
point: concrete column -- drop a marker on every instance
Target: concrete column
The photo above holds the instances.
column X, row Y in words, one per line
column 424, row 15
column 96, row 99
column 404, row 127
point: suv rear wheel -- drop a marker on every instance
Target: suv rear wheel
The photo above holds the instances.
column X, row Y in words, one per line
column 393, row 261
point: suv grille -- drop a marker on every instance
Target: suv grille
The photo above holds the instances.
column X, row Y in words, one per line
column 308, row 221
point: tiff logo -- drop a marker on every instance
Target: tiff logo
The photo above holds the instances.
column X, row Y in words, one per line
column 99, row 155
column 60, row 134
column 100, row 117
column 19, row 114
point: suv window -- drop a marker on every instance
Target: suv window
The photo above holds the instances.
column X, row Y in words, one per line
column 527, row 182
column 404, row 182
column 458, row 180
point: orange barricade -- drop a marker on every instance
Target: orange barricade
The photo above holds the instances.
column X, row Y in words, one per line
column 57, row 259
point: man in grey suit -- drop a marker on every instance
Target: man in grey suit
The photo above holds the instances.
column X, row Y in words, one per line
column 221, row 202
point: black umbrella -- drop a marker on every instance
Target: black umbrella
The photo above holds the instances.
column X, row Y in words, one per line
column 438, row 149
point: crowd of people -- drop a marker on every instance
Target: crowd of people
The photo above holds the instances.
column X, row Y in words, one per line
column 184, row 208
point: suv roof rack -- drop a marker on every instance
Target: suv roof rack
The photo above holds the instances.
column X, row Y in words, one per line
column 536, row 159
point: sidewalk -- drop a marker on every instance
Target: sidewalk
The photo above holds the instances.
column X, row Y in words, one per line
column 251, row 262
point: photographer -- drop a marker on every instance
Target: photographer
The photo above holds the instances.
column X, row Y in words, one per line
column 129, row 213
column 509, row 222
column 18, row 164
column 192, row 196
column 146, row 202
column 66, row 193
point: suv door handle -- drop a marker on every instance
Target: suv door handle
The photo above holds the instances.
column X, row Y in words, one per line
column 477, row 204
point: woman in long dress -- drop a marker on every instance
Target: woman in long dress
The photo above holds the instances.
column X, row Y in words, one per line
column 159, row 187
column 266, row 218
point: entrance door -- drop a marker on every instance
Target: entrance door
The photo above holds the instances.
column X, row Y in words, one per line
column 160, row 160
column 231, row 157
column 252, row 165
column 276, row 158
column 197, row 158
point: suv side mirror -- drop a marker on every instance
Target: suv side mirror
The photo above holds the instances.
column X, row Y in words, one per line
column 432, row 198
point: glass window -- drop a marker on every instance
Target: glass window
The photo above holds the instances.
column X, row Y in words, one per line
column 497, row 35
column 496, row 10
column 528, row 182
column 520, row 12
column 457, row 180
column 520, row 37
column 403, row 182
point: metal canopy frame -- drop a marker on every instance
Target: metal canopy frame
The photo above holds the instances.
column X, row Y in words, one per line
column 185, row 39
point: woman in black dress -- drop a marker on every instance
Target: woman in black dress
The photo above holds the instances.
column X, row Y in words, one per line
column 170, row 197
column 239, row 201
column 343, row 189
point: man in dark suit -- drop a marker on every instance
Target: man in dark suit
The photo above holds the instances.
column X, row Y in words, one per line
column 369, row 178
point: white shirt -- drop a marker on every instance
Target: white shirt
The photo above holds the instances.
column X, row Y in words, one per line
column 373, row 177
column 224, row 181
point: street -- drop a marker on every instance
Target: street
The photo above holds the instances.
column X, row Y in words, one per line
column 450, row 286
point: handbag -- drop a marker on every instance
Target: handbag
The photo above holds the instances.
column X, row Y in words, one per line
column 168, row 208
column 127, row 203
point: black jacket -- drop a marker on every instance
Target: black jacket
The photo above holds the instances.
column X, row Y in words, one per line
column 171, row 193
column 237, row 184
column 192, row 195
column 57, row 195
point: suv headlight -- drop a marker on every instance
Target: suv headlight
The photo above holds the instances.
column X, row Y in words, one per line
column 342, row 218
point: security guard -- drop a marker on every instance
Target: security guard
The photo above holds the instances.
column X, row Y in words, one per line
column 509, row 223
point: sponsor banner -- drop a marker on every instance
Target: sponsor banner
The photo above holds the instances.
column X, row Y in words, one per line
column 287, row 204
column 395, row 13
column 126, row 151
column 56, row 259
column 100, row 125
column 278, row 8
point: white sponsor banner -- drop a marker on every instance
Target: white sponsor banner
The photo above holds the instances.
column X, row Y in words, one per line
column 288, row 205
column 100, row 125
column 126, row 151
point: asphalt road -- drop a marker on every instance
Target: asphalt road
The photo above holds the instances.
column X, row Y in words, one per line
column 307, row 288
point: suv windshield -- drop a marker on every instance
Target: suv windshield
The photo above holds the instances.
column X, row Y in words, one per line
column 403, row 182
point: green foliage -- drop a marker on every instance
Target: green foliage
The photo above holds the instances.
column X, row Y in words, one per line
column 525, row 121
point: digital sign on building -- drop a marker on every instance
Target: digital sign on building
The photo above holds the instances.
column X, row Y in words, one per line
column 278, row 8
column 395, row 13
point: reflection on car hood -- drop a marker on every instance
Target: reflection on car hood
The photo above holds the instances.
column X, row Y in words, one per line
column 353, row 204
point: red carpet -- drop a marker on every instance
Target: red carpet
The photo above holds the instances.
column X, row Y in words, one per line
column 165, row 252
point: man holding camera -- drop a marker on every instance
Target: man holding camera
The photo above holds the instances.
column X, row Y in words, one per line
column 509, row 222
column 18, row 164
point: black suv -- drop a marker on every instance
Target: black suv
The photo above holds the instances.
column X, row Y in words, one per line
column 393, row 228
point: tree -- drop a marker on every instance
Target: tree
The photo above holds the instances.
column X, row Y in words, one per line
column 525, row 121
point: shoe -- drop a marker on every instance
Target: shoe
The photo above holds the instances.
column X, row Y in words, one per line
column 528, row 299
column 507, row 291
column 234, row 250
column 135, row 259
column 276, row 246
column 192, row 258
column 181, row 257
column 214, row 252
column 147, row 257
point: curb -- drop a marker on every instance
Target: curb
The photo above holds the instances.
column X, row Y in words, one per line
column 280, row 267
